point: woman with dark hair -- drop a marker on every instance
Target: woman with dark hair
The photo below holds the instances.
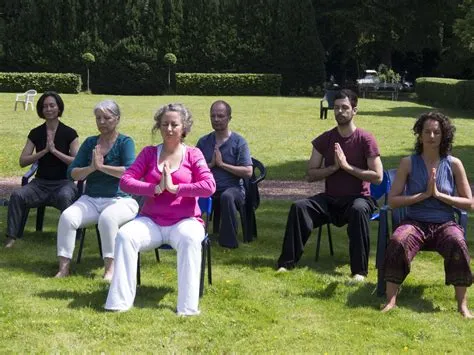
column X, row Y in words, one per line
column 53, row 145
column 429, row 184
column 102, row 159
column 171, row 176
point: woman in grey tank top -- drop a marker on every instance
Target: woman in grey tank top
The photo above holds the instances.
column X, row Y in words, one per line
column 429, row 184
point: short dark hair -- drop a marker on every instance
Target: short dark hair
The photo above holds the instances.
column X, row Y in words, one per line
column 59, row 102
column 227, row 107
column 447, row 131
column 349, row 94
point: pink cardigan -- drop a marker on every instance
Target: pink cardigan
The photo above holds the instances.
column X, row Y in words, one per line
column 193, row 177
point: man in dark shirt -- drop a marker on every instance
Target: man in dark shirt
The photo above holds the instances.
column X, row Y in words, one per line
column 227, row 155
column 348, row 159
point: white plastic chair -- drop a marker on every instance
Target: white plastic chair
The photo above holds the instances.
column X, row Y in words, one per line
column 26, row 99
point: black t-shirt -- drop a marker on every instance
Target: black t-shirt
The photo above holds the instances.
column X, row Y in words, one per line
column 51, row 167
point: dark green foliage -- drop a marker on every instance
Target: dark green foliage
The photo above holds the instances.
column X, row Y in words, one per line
column 20, row 82
column 228, row 84
column 298, row 52
column 446, row 92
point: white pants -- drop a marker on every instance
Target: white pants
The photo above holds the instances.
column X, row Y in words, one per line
column 143, row 234
column 109, row 213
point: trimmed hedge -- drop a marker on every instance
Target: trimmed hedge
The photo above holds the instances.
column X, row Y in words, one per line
column 41, row 82
column 446, row 92
column 228, row 84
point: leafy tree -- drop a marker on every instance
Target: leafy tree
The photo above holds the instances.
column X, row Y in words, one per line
column 464, row 26
column 298, row 51
column 169, row 59
column 88, row 59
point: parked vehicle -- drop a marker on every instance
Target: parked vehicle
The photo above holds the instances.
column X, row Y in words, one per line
column 371, row 81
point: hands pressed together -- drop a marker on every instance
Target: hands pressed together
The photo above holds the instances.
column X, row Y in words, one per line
column 97, row 162
column 340, row 161
column 50, row 147
column 216, row 158
column 431, row 189
column 166, row 182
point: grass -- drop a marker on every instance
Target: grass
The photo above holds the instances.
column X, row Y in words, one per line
column 279, row 130
column 249, row 307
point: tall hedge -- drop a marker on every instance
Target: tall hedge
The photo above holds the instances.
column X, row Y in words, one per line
column 130, row 38
column 228, row 84
column 446, row 92
column 20, row 82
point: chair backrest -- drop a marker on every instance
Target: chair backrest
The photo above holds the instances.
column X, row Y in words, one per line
column 379, row 191
column 205, row 205
column 251, row 185
column 329, row 97
column 31, row 92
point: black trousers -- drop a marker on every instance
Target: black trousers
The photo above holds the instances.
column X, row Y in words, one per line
column 310, row 213
column 228, row 203
column 57, row 193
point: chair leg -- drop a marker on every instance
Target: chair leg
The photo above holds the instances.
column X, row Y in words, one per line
column 82, row 234
column 139, row 279
column 203, row 267
column 331, row 250
column 244, row 218
column 209, row 267
column 99, row 241
column 318, row 243
column 157, row 254
column 40, row 218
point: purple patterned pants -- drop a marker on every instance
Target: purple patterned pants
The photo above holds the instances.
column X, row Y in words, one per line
column 445, row 238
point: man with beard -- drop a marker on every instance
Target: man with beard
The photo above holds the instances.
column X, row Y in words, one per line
column 228, row 156
column 348, row 159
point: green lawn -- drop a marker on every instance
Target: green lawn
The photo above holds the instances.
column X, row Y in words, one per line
column 279, row 130
column 249, row 308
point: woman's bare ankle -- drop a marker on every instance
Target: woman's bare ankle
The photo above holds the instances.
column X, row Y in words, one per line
column 63, row 267
column 108, row 269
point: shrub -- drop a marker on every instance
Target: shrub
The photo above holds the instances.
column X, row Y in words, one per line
column 446, row 92
column 228, row 84
column 60, row 82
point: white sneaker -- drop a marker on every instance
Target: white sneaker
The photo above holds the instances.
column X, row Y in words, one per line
column 282, row 269
column 357, row 279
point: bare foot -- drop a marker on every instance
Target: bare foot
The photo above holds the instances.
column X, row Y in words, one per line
column 63, row 267
column 109, row 269
column 108, row 276
column 10, row 242
column 61, row 274
column 466, row 313
column 388, row 307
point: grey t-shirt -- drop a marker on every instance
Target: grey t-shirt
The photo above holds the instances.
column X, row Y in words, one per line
column 235, row 151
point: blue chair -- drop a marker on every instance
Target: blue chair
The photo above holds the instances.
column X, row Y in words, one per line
column 377, row 192
column 398, row 215
column 205, row 204
column 327, row 103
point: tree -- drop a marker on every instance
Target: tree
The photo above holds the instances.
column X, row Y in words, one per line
column 169, row 59
column 88, row 59
column 464, row 27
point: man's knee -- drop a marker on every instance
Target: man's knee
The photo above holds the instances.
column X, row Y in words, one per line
column 361, row 208
column 227, row 197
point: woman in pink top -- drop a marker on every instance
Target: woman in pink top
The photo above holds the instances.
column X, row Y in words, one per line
column 171, row 177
